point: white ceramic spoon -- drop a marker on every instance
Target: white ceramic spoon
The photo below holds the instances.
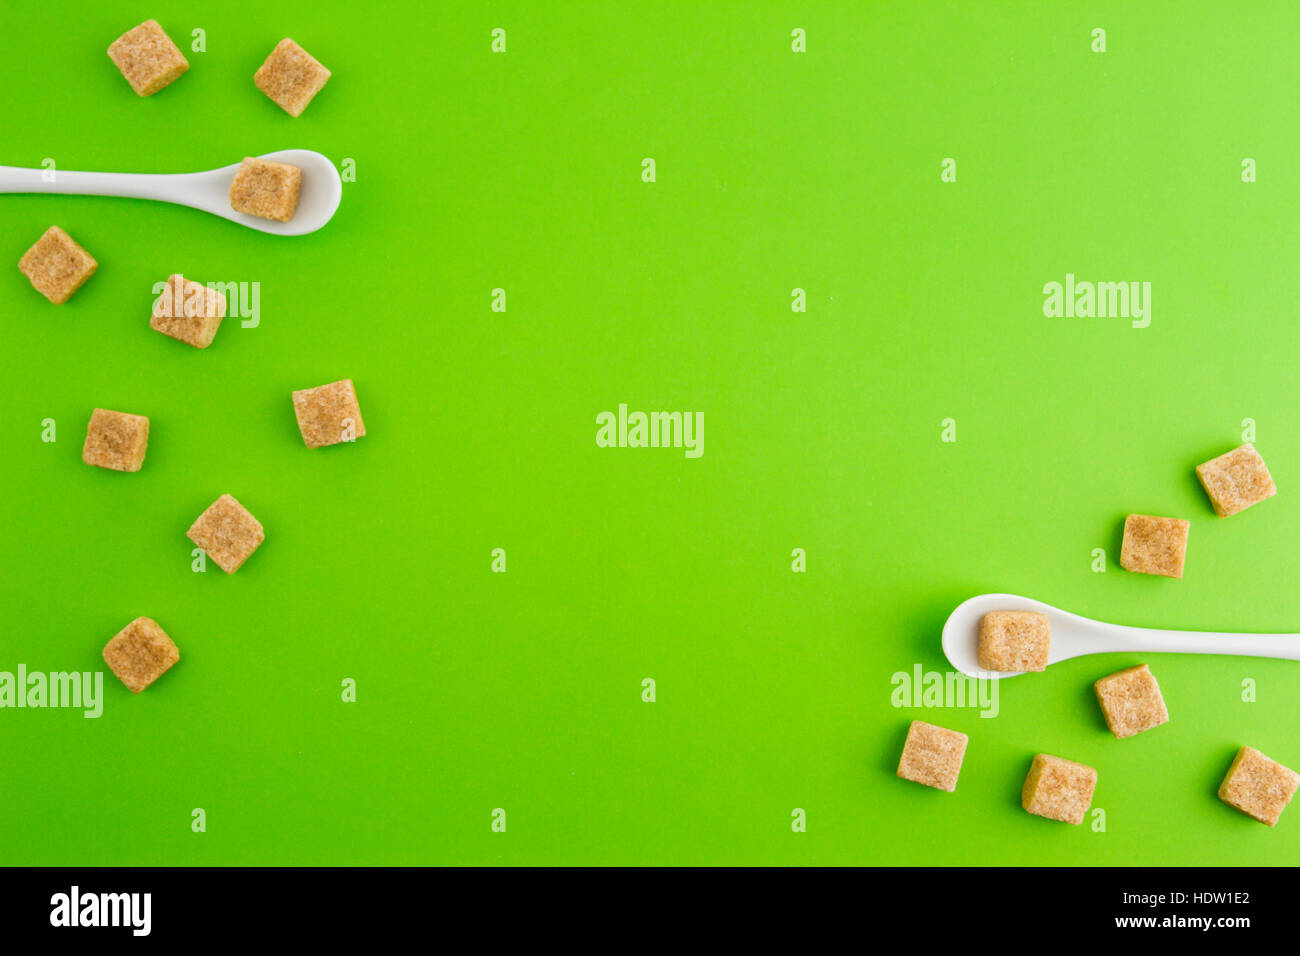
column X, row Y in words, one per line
column 210, row 191
column 1075, row 636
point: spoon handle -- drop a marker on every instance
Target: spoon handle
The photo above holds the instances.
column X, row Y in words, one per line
column 165, row 187
column 1284, row 646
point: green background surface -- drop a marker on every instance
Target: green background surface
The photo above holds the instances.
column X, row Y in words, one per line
column 776, row 170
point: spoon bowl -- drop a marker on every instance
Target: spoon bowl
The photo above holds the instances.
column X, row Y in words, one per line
column 1075, row 636
column 322, row 189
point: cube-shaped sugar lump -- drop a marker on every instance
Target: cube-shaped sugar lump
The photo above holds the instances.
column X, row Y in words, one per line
column 265, row 188
column 932, row 756
column 57, row 266
column 1058, row 789
column 1258, row 785
column 1014, row 641
column 228, row 533
column 147, row 58
column 1131, row 701
column 116, row 440
column 291, row 77
column 1154, row 545
column 188, row 311
column 1236, row 480
column 328, row 414
column 140, row 653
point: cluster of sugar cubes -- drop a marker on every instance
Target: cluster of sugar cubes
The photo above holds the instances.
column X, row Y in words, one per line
column 1131, row 703
column 1234, row 481
column 226, row 531
column 150, row 61
column 57, row 266
column 291, row 77
column 1055, row 788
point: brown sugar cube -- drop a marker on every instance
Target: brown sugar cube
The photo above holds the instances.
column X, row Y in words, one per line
column 116, row 440
column 1258, row 786
column 188, row 311
column 291, row 76
column 1131, row 701
column 147, row 58
column 1014, row 641
column 1154, row 545
column 1058, row 789
column 328, row 414
column 227, row 532
column 1236, row 480
column 140, row 653
column 932, row 756
column 57, row 266
column 265, row 188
